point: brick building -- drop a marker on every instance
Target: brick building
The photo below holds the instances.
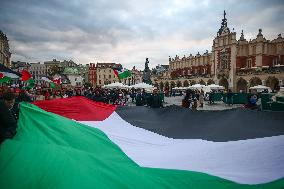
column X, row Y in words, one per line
column 93, row 74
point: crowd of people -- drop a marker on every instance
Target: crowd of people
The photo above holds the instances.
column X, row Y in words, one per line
column 11, row 97
column 194, row 98
column 111, row 96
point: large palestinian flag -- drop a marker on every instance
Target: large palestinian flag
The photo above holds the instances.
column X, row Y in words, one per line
column 78, row 143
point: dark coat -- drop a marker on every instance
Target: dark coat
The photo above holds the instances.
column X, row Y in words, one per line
column 155, row 101
column 8, row 123
column 140, row 99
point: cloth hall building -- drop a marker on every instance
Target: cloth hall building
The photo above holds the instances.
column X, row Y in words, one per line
column 236, row 64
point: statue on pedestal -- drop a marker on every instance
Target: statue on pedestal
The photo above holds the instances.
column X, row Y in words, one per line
column 147, row 73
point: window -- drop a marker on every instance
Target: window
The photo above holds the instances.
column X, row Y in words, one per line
column 249, row 63
column 104, row 76
column 109, row 76
column 254, row 49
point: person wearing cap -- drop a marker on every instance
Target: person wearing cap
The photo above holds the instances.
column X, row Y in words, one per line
column 8, row 121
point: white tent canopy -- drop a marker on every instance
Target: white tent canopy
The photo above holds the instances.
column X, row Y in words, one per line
column 180, row 88
column 216, row 87
column 196, row 86
column 260, row 88
column 142, row 86
column 116, row 85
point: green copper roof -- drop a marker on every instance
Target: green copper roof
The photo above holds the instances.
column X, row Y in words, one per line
column 70, row 71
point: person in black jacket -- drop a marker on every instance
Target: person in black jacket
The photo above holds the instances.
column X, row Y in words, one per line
column 8, row 121
column 186, row 102
column 140, row 98
column 155, row 100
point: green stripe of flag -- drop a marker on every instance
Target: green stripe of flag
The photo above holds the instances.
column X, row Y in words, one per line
column 5, row 79
column 124, row 74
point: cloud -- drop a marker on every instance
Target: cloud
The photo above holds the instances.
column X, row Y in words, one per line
column 128, row 31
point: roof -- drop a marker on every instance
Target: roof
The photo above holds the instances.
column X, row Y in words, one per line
column 69, row 71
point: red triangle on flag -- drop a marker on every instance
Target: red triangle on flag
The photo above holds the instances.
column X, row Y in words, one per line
column 1, row 75
column 115, row 72
column 57, row 81
column 26, row 75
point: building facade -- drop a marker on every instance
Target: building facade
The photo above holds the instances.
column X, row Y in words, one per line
column 136, row 77
column 50, row 65
column 92, row 73
column 38, row 71
column 68, row 64
column 19, row 66
column 105, row 73
column 234, row 64
column 5, row 54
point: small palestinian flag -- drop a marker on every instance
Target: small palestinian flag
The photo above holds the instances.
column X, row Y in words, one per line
column 7, row 74
column 122, row 73
column 51, row 83
column 26, row 75
column 57, row 81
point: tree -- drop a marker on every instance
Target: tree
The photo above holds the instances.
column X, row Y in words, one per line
column 53, row 70
column 87, row 85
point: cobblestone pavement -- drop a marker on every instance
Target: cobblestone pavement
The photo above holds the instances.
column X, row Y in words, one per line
column 178, row 99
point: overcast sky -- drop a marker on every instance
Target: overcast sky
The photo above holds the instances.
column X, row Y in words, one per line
column 128, row 31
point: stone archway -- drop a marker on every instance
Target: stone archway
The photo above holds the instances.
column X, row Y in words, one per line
column 224, row 82
column 210, row 81
column 167, row 85
column 185, row 83
column 179, row 84
column 192, row 82
column 272, row 82
column 254, row 81
column 201, row 82
column 161, row 85
column 173, row 84
column 242, row 85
